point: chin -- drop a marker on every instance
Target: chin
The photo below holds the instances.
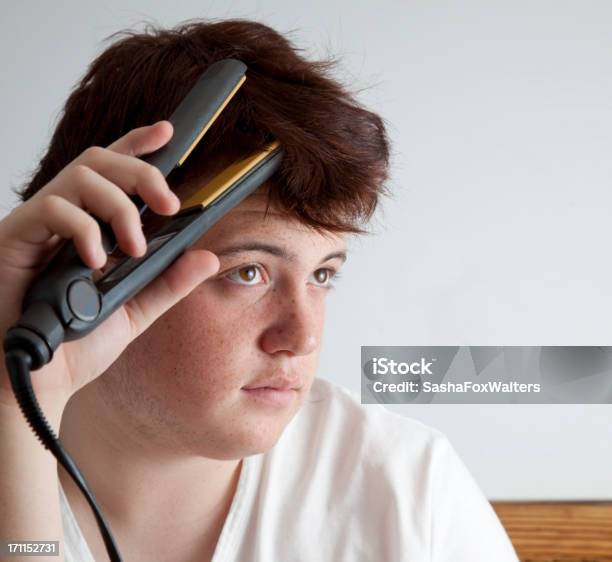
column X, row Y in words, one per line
column 250, row 439
column 261, row 437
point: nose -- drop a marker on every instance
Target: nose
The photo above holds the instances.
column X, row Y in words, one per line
column 296, row 324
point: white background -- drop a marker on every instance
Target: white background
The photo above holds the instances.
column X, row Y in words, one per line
column 500, row 115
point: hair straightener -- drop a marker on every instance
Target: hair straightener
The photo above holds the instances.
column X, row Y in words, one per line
column 65, row 302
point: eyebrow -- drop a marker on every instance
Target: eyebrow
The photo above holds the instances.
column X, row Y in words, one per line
column 277, row 251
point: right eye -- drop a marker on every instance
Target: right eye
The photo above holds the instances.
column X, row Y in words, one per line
column 245, row 275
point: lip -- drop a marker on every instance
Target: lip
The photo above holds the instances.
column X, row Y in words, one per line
column 280, row 382
column 278, row 390
column 271, row 396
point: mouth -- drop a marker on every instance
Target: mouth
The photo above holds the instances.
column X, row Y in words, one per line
column 278, row 390
column 281, row 382
column 271, row 396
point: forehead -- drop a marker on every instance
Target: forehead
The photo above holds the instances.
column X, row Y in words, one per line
column 252, row 218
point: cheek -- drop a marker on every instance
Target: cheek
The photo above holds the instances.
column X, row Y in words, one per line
column 198, row 349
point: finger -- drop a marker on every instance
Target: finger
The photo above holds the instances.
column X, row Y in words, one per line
column 109, row 339
column 143, row 140
column 89, row 190
column 53, row 215
column 133, row 176
column 187, row 272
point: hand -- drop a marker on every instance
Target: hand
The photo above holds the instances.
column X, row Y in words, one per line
column 100, row 180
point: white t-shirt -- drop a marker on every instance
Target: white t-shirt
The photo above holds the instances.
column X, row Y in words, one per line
column 348, row 482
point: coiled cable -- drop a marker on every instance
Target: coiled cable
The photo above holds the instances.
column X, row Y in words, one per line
column 18, row 363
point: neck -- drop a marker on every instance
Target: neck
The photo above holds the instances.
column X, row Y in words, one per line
column 147, row 489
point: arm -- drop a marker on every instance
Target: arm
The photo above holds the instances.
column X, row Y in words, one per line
column 98, row 180
column 29, row 495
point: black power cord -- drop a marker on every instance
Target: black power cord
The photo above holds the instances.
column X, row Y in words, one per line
column 19, row 363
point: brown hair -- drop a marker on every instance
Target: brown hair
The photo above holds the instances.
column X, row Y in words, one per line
column 336, row 151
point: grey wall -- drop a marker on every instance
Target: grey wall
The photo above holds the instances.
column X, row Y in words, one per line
column 498, row 233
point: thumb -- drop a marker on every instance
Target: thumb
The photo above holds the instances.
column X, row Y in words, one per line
column 190, row 270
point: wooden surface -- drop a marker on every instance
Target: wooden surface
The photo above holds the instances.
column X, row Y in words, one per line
column 558, row 531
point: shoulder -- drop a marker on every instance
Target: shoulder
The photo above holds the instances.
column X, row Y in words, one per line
column 400, row 481
column 361, row 466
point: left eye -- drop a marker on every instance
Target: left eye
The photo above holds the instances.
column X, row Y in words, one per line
column 324, row 276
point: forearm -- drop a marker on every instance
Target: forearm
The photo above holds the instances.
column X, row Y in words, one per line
column 29, row 495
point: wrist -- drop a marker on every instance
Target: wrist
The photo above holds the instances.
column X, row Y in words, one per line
column 51, row 408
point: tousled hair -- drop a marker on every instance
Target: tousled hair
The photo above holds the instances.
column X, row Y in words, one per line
column 336, row 151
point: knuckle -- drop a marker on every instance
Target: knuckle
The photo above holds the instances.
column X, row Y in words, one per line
column 153, row 174
column 50, row 204
column 80, row 173
column 93, row 152
column 126, row 212
column 92, row 227
column 133, row 215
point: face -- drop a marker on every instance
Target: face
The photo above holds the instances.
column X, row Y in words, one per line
column 200, row 377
